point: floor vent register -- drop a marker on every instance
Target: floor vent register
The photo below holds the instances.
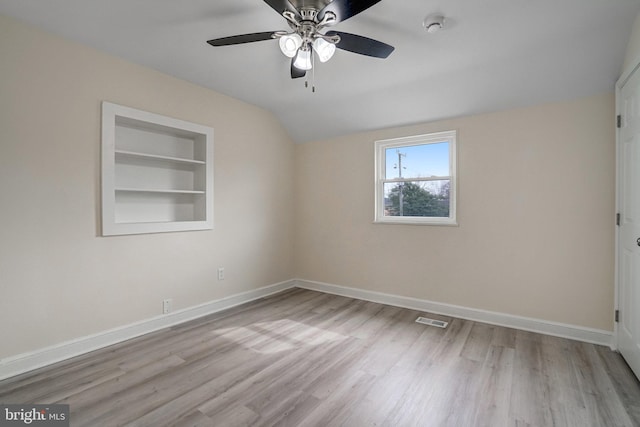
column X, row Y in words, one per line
column 432, row 322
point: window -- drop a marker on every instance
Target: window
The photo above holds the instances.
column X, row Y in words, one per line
column 416, row 179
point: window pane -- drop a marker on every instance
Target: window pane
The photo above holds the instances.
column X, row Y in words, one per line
column 417, row 161
column 420, row 198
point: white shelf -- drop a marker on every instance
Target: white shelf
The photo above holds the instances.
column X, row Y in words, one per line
column 121, row 153
column 157, row 173
column 155, row 190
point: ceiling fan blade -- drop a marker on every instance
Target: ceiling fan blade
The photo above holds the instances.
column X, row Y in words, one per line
column 345, row 9
column 242, row 38
column 282, row 6
column 296, row 73
column 362, row 45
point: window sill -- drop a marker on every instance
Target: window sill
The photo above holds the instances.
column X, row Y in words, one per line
column 414, row 221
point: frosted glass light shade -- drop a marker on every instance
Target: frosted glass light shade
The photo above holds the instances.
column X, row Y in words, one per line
column 303, row 60
column 323, row 49
column 290, row 44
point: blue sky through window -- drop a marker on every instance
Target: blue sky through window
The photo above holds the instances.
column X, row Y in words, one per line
column 418, row 161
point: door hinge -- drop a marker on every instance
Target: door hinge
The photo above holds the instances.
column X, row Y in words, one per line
column 617, row 316
column 618, row 219
column 619, row 121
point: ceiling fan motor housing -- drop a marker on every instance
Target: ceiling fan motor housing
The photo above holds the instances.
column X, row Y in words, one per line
column 309, row 14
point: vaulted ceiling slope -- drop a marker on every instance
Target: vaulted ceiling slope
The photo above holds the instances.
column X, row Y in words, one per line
column 492, row 55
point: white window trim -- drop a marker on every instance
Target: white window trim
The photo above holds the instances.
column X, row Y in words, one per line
column 380, row 165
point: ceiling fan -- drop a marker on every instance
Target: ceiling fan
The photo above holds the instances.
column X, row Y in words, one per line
column 307, row 21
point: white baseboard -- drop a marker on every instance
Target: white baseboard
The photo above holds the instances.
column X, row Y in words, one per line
column 25, row 362
column 579, row 333
column 36, row 359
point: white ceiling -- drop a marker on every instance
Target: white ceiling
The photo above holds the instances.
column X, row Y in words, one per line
column 494, row 54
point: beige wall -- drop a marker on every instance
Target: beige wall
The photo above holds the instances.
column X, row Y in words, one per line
column 58, row 279
column 535, row 208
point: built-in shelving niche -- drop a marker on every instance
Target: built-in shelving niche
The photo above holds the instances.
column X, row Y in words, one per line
column 157, row 173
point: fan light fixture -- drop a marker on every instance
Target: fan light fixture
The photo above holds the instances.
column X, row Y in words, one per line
column 290, row 44
column 293, row 45
column 323, row 49
column 306, row 37
column 303, row 59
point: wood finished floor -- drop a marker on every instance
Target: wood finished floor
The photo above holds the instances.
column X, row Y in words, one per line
column 303, row 358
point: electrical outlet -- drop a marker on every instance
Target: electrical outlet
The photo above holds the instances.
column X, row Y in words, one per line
column 166, row 306
column 220, row 273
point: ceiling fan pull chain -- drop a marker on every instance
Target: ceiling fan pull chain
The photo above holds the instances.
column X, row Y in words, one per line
column 313, row 72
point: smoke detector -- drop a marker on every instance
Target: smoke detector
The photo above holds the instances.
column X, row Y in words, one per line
column 433, row 23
